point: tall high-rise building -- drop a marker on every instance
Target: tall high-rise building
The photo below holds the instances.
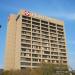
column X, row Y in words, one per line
column 32, row 39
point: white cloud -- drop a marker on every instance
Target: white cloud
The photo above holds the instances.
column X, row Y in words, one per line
column 69, row 16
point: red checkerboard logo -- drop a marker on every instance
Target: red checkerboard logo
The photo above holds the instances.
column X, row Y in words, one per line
column 27, row 13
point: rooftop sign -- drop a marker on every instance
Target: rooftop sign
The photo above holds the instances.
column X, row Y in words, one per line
column 27, row 13
column 35, row 15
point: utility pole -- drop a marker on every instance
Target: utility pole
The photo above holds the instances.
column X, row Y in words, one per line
column 70, row 70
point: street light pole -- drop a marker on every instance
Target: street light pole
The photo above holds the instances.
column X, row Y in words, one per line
column 0, row 26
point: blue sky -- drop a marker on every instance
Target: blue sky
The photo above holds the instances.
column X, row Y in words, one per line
column 60, row 9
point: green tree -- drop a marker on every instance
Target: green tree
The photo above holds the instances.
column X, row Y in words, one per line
column 43, row 69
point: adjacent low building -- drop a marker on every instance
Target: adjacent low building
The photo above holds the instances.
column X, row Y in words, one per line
column 1, row 71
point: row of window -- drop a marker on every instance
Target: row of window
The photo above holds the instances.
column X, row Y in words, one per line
column 25, row 19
